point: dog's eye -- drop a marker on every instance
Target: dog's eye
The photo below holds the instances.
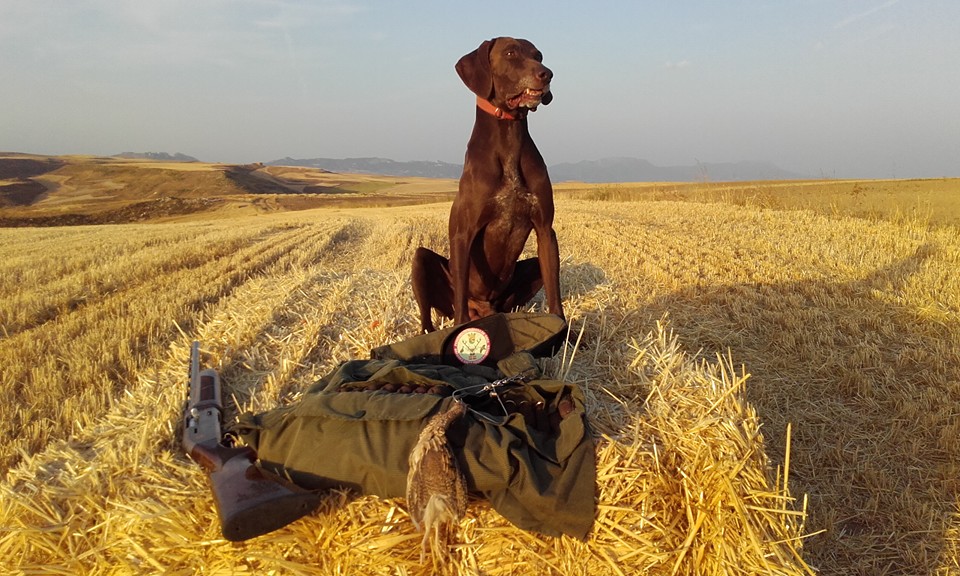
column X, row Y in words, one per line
column 510, row 53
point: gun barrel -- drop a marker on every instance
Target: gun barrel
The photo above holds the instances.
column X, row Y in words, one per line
column 204, row 385
column 201, row 422
column 194, row 362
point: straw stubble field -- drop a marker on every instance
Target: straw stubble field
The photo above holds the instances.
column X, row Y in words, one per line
column 772, row 391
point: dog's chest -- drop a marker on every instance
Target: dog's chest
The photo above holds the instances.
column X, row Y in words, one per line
column 511, row 210
column 513, row 198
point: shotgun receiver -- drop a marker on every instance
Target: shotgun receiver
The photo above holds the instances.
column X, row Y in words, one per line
column 250, row 501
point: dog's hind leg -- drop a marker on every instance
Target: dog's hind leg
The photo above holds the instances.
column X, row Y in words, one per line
column 431, row 286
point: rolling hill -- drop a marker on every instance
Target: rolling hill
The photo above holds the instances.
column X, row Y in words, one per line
column 69, row 190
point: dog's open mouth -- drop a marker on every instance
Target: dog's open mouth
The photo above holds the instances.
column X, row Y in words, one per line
column 529, row 98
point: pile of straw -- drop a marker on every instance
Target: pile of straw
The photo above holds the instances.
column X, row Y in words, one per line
column 684, row 487
column 690, row 474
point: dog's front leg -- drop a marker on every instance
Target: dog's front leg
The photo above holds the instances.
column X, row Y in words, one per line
column 548, row 251
column 460, row 242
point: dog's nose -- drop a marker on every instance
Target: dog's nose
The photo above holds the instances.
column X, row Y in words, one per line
column 544, row 74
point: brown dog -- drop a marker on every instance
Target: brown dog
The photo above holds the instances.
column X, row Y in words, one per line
column 505, row 193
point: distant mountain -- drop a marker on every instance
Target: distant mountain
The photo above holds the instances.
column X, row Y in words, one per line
column 593, row 171
column 383, row 166
column 161, row 156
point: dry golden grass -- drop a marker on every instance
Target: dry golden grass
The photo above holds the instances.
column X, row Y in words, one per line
column 847, row 327
column 934, row 201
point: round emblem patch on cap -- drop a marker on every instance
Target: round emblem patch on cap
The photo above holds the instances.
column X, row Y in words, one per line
column 472, row 346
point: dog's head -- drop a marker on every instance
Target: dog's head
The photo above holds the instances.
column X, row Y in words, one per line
column 508, row 72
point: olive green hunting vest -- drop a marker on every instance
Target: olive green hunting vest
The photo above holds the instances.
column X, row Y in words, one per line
column 523, row 444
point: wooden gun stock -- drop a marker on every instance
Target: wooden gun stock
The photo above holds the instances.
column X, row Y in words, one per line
column 250, row 501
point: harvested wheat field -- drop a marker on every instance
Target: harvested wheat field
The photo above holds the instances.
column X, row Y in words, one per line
column 773, row 392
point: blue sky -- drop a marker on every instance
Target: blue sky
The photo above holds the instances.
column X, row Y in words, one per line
column 845, row 88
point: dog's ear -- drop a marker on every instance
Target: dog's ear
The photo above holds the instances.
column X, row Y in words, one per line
column 474, row 70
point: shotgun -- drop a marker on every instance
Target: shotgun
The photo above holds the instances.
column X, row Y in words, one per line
column 250, row 501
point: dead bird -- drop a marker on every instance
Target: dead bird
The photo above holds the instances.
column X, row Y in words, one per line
column 436, row 490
